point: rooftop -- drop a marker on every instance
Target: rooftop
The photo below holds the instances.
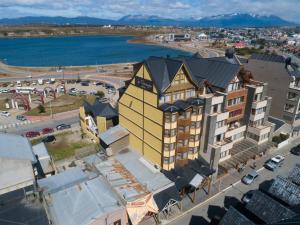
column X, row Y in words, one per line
column 82, row 202
column 100, row 109
column 294, row 176
column 113, row 134
column 267, row 57
column 44, row 158
column 16, row 147
column 234, row 217
column 267, row 209
column 15, row 174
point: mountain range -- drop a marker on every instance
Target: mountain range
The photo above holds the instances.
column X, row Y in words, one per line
column 225, row 20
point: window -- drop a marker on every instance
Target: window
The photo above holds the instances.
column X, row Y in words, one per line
column 170, row 118
column 181, row 155
column 170, row 132
column 256, row 123
column 235, row 113
column 258, row 111
column 220, row 124
column 169, row 147
column 253, row 136
column 194, row 138
column 190, row 93
column 234, row 86
column 193, row 150
column 224, row 154
column 168, row 160
column 176, row 96
column 219, row 138
column 164, row 99
column 216, row 108
column 258, row 97
column 181, row 129
column 289, row 108
column 292, row 96
column 235, row 101
column 187, row 114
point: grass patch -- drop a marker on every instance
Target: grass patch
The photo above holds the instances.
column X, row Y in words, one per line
column 62, row 103
column 63, row 150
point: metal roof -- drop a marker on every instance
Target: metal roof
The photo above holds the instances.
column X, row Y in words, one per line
column 145, row 173
column 294, row 176
column 62, row 180
column 15, row 146
column 267, row 209
column 217, row 73
column 278, row 122
column 43, row 157
column 82, row 203
column 15, row 174
column 285, row 190
column 234, row 217
column 113, row 134
column 267, row 57
column 163, row 198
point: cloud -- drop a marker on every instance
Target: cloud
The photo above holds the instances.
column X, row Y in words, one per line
column 114, row 9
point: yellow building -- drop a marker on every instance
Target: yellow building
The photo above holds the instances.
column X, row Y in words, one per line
column 96, row 118
column 160, row 110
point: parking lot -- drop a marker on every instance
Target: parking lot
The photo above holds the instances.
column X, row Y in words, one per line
column 74, row 88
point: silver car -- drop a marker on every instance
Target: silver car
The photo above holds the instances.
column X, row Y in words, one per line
column 249, row 178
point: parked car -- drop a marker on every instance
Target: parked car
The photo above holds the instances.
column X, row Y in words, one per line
column 85, row 84
column 49, row 138
column 5, row 113
column 247, row 197
column 82, row 92
column 99, row 84
column 250, row 177
column 32, row 134
column 274, row 162
column 21, row 117
column 296, row 150
column 47, row 130
column 63, row 126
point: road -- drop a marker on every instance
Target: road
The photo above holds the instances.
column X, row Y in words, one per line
column 215, row 205
column 74, row 121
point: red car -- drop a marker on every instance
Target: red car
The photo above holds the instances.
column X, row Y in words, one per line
column 47, row 130
column 32, row 134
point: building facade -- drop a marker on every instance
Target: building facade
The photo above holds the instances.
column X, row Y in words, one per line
column 176, row 109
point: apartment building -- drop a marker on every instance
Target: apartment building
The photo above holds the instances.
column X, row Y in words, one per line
column 177, row 109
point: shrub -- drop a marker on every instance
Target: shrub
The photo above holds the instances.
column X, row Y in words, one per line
column 41, row 108
column 100, row 94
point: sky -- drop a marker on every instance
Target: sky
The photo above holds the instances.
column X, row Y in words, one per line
column 115, row 9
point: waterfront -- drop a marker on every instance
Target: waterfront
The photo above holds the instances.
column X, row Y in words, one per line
column 77, row 50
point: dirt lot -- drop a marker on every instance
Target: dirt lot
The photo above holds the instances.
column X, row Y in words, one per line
column 69, row 144
column 62, row 103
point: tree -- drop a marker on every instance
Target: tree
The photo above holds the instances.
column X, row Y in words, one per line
column 41, row 108
column 100, row 94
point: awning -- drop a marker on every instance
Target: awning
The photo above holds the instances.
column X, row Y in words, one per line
column 163, row 198
column 196, row 181
column 139, row 208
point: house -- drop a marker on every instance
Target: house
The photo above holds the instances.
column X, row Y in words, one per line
column 96, row 118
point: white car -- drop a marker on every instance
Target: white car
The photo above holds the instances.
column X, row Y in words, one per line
column 5, row 113
column 274, row 162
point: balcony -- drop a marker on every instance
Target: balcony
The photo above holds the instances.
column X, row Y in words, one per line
column 259, row 104
column 222, row 116
column 221, row 130
column 259, row 130
column 225, row 144
column 257, row 116
column 235, row 130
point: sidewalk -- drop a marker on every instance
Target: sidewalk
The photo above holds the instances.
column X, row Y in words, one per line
column 223, row 183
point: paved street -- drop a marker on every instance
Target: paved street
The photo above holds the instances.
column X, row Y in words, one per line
column 214, row 206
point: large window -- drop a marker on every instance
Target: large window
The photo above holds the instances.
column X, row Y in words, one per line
column 169, row 147
column 219, row 138
column 168, row 160
column 292, row 96
column 170, row 132
column 216, row 108
column 234, row 86
column 289, row 108
column 190, row 93
column 197, row 111
column 181, row 155
column 180, row 79
column 170, row 118
column 164, row 99
column 235, row 101
column 234, row 113
column 224, row 154
column 258, row 97
column 176, row 96
column 220, row 124
column 193, row 150
column 256, row 123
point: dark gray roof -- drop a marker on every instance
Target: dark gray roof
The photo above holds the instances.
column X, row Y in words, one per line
column 278, row 122
column 182, row 105
column 266, row 57
column 196, row 101
column 163, row 197
column 162, row 70
column 267, row 209
column 100, row 109
column 285, row 190
column 234, row 217
column 295, row 73
column 217, row 73
column 294, row 176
